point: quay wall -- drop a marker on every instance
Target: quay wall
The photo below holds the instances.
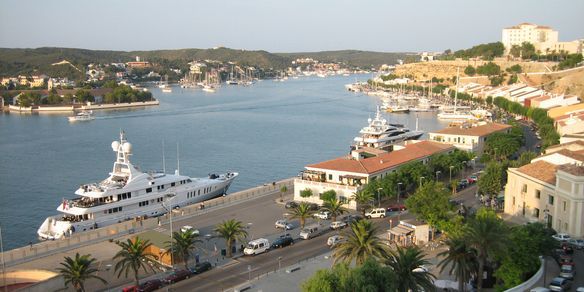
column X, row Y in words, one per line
column 71, row 108
column 26, row 253
column 119, row 105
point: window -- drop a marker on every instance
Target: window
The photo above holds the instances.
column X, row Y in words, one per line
column 550, row 199
column 149, row 190
column 172, row 184
column 343, row 199
column 524, row 188
column 537, row 194
column 536, row 213
column 513, row 201
column 330, row 177
column 564, row 206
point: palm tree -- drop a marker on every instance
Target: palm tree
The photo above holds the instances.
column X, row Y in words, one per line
column 362, row 198
column 361, row 243
column 461, row 258
column 335, row 207
column 487, row 234
column 407, row 263
column 132, row 257
column 78, row 270
column 283, row 190
column 231, row 230
column 183, row 244
column 302, row 211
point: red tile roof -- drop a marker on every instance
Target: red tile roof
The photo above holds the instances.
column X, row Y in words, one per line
column 572, row 169
column 411, row 152
column 541, row 170
column 480, row 131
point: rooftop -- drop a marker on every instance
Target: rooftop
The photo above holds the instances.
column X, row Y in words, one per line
column 480, row 131
column 573, row 146
column 383, row 161
column 156, row 238
column 572, row 169
column 541, row 170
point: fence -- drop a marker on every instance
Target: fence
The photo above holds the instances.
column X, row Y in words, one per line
column 47, row 248
column 531, row 282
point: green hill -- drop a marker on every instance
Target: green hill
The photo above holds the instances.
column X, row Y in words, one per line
column 363, row 59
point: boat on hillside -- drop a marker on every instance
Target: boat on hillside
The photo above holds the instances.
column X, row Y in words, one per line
column 82, row 116
column 382, row 135
column 130, row 193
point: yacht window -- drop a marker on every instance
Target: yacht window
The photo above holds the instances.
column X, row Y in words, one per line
column 198, row 192
column 149, row 190
column 172, row 184
column 189, row 180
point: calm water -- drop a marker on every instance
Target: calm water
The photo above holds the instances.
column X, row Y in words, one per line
column 266, row 132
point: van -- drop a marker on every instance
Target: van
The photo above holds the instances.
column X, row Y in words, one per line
column 310, row 232
column 375, row 213
column 257, row 246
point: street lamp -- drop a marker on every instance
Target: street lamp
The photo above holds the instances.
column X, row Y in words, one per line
column 398, row 191
column 249, row 224
column 450, row 180
column 279, row 263
column 169, row 198
column 437, row 173
column 378, row 198
column 421, row 178
column 464, row 163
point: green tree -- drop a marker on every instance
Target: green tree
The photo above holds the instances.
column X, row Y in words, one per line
column 83, row 95
column 461, row 258
column 470, row 70
column 406, row 263
column 489, row 69
column 231, row 230
column 283, row 190
column 490, row 100
column 133, row 257
column 362, row 242
column 76, row 271
column 328, row 195
column 335, row 207
column 570, row 62
column 183, row 244
column 515, row 51
column 527, row 50
column 492, row 180
column 306, row 193
column 363, row 199
column 430, row 203
column 302, row 212
column 514, row 69
column 488, row 235
column 371, row 276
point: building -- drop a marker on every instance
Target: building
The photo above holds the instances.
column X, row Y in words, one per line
column 467, row 138
column 409, row 232
column 550, row 189
column 543, row 38
column 347, row 175
column 572, row 123
column 565, row 110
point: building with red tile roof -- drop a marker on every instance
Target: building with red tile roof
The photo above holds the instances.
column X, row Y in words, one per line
column 468, row 138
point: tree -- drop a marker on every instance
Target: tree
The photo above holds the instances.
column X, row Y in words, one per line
column 183, row 244
column 371, row 276
column 470, row 70
column 514, row 69
column 491, row 181
column 283, row 190
column 302, row 212
column 490, row 100
column 328, row 195
column 362, row 243
column 83, row 95
column 405, row 263
column 489, row 69
column 132, row 257
column 461, row 258
column 231, row 230
column 430, row 203
column 362, row 198
column 335, row 207
column 487, row 234
column 515, row 51
column 306, row 193
column 527, row 50
column 76, row 271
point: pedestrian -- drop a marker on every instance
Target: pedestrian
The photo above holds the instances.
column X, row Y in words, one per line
column 30, row 243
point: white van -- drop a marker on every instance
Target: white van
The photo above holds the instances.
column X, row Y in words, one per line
column 257, row 246
column 310, row 232
column 375, row 213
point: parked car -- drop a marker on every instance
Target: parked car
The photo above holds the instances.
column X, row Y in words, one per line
column 351, row 218
column 187, row 228
column 560, row 284
column 257, row 246
column 338, row 225
column 396, row 207
column 177, row 275
column 473, row 179
column 282, row 223
column 323, row 215
column 313, row 207
column 291, row 205
column 464, row 182
column 283, row 241
column 566, row 259
column 577, row 243
column 539, row 289
column 567, row 271
column 201, row 267
column 331, row 241
column 150, row 285
column 132, row 288
column 568, row 249
column 375, row 213
column 310, row 231
column 561, row 237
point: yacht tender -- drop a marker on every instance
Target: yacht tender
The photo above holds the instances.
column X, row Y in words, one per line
column 129, row 193
column 82, row 116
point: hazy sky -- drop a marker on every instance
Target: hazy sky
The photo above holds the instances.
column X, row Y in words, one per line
column 277, row 25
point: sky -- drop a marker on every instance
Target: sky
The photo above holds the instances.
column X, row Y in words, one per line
column 277, row 25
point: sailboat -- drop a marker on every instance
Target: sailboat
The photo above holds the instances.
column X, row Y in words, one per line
column 454, row 114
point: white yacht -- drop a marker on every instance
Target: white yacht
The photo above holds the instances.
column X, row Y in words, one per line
column 82, row 116
column 129, row 193
column 456, row 113
column 381, row 135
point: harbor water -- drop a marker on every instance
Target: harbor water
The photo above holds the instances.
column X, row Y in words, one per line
column 266, row 132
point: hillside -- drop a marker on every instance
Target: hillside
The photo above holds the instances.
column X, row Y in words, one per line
column 40, row 60
column 568, row 81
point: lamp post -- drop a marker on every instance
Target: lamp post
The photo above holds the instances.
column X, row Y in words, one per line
column 169, row 198
column 279, row 263
column 450, row 180
column 398, row 191
column 421, row 178
column 464, row 163
column 437, row 173
column 249, row 224
column 378, row 198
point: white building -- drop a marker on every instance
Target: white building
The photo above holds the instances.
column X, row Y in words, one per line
column 468, row 138
column 347, row 175
column 543, row 38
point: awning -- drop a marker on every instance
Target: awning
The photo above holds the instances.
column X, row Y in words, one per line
column 401, row 230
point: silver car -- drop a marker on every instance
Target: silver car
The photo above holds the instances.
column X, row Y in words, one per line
column 568, row 272
column 560, row 284
column 577, row 243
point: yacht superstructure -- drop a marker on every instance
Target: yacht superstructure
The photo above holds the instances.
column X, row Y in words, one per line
column 129, row 193
column 382, row 135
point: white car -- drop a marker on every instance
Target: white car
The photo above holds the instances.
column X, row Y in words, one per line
column 284, row 225
column 577, row 243
column 375, row 213
column 561, row 237
column 338, row 225
column 187, row 228
column 324, row 215
column 331, row 241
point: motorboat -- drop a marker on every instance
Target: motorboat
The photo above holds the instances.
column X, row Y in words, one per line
column 129, row 193
column 82, row 116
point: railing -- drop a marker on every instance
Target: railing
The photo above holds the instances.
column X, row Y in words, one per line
column 326, row 184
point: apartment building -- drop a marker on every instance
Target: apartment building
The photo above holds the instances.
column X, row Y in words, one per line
column 468, row 138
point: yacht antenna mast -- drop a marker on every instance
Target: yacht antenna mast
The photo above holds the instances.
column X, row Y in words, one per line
column 163, row 160
column 177, row 160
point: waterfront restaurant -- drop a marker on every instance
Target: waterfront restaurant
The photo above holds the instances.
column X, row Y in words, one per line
column 347, row 175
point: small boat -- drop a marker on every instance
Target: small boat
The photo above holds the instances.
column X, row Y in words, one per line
column 208, row 88
column 167, row 89
column 82, row 116
column 397, row 109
